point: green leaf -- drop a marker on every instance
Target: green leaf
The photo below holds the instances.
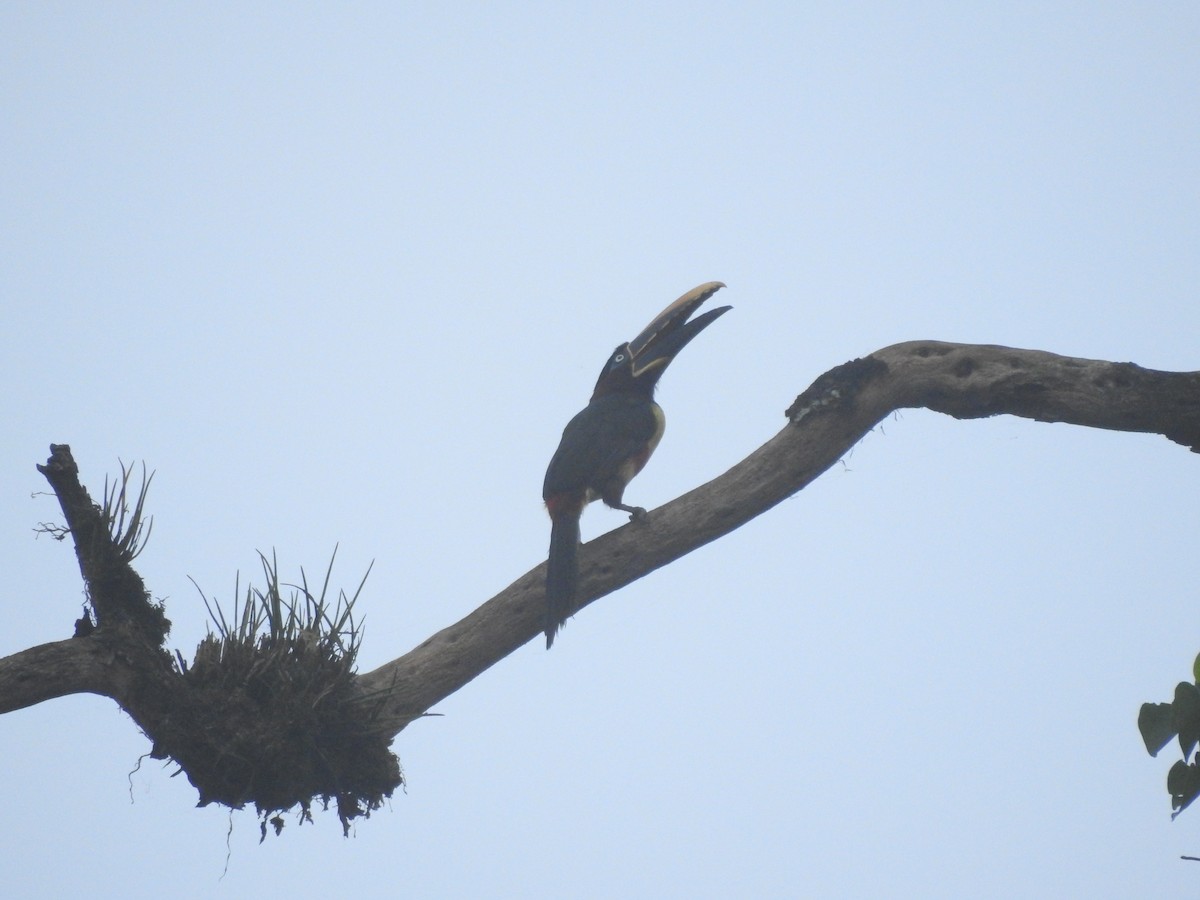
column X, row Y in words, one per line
column 1187, row 716
column 1156, row 722
column 1183, row 783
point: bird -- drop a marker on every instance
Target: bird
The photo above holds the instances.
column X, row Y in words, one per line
column 608, row 442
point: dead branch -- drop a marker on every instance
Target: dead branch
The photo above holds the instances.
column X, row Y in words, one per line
column 961, row 380
column 844, row 404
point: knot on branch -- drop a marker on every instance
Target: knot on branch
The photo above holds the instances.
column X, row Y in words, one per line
column 837, row 387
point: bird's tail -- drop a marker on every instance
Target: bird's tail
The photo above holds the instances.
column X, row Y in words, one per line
column 562, row 572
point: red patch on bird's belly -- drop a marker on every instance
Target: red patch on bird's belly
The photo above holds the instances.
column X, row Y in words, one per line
column 568, row 502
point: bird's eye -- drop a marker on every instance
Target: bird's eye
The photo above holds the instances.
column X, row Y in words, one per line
column 620, row 357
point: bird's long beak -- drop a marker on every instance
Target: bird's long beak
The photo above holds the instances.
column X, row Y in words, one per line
column 671, row 331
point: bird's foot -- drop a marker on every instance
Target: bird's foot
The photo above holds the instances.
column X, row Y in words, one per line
column 636, row 513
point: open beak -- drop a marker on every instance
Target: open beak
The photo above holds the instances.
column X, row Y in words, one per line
column 671, row 331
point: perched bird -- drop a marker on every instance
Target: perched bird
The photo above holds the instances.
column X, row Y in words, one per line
column 609, row 441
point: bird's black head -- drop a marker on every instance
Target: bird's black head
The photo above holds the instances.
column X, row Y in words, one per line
column 637, row 365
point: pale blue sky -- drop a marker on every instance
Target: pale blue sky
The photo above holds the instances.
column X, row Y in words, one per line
column 341, row 273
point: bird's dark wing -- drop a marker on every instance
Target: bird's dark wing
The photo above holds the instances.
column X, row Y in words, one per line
column 595, row 443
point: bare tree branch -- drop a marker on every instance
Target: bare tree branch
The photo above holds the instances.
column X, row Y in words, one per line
column 116, row 592
column 64, row 667
column 122, row 655
column 124, row 658
column 962, row 380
